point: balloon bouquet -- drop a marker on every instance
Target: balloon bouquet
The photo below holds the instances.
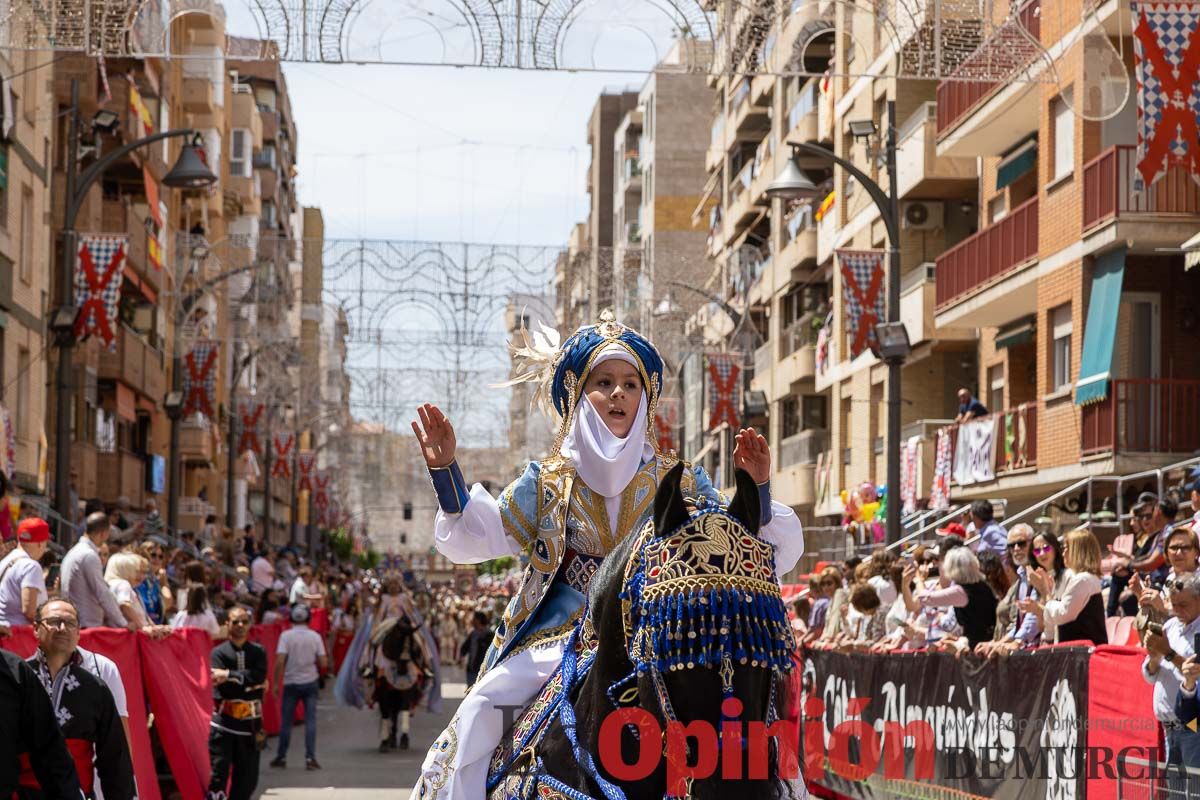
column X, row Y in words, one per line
column 865, row 510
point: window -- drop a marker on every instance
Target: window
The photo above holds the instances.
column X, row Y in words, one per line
column 4, row 186
column 239, row 152
column 268, row 213
column 408, row 509
column 815, row 412
column 26, row 265
column 1064, row 135
column 23, row 383
column 995, row 388
column 789, row 409
column 106, row 431
column 997, row 209
column 1060, row 348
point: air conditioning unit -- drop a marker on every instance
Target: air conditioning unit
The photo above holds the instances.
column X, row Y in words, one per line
column 922, row 215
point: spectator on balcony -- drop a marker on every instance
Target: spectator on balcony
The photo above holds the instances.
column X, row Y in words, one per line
column 969, row 407
column 83, row 579
column 1071, row 609
column 22, row 584
column 991, row 533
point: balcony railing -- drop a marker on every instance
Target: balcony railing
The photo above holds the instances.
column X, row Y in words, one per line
column 633, row 167
column 762, row 360
column 984, row 257
column 957, row 98
column 801, row 333
column 1108, row 189
column 1144, row 416
column 803, row 448
column 805, row 104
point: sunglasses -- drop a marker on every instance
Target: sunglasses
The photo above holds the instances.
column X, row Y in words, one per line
column 59, row 623
column 1174, row 586
column 239, row 622
column 1019, row 544
column 1037, row 551
column 1179, row 548
column 1144, row 516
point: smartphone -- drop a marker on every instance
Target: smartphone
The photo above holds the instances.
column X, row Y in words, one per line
column 1196, row 644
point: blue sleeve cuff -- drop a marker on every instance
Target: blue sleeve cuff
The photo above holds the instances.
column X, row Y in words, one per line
column 764, row 502
column 451, row 488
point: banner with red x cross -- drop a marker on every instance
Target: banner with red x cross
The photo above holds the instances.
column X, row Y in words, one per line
column 250, row 414
column 305, row 462
column 666, row 421
column 862, row 293
column 98, row 268
column 724, row 380
column 1166, row 48
column 200, row 379
column 322, row 479
column 282, row 468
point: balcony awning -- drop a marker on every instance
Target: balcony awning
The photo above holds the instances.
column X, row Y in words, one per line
column 1191, row 252
column 1021, row 332
column 1100, row 331
column 1016, row 163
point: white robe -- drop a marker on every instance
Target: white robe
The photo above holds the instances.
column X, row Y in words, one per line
column 459, row 771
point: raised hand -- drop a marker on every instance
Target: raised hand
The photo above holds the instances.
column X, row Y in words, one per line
column 752, row 453
column 435, row 434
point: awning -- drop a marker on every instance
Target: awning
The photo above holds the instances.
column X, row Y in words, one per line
column 1100, row 331
column 1021, row 332
column 1016, row 163
column 1191, row 252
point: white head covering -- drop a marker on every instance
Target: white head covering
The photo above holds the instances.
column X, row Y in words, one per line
column 606, row 462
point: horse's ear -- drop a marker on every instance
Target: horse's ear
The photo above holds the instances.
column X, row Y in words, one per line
column 670, row 511
column 745, row 506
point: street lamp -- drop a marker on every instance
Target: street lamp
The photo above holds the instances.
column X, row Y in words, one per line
column 183, row 175
column 793, row 184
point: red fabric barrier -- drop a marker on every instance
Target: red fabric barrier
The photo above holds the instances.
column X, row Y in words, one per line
column 268, row 637
column 179, row 686
column 122, row 648
column 23, row 642
column 1120, row 709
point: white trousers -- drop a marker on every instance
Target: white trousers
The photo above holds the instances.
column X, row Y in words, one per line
column 457, row 764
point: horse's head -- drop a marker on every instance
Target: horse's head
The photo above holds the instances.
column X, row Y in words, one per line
column 688, row 616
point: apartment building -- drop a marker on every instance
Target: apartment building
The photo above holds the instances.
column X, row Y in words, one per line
column 1032, row 274
column 25, row 203
column 118, row 425
column 1086, row 324
column 658, row 152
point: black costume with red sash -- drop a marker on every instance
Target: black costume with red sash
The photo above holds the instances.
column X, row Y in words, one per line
column 87, row 717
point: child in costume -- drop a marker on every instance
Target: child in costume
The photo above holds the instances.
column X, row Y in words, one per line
column 566, row 513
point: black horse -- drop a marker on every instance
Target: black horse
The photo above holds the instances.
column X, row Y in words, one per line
column 676, row 655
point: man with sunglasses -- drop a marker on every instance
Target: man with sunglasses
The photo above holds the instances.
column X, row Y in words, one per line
column 239, row 671
column 86, row 711
column 1017, row 629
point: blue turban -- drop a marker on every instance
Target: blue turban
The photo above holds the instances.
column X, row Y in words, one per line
column 581, row 349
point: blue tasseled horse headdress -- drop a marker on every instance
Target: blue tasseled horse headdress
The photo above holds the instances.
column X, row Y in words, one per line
column 701, row 591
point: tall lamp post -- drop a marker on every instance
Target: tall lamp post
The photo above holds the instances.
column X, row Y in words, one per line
column 892, row 338
column 188, row 172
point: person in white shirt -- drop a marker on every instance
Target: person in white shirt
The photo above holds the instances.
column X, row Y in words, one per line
column 300, row 658
column 304, row 588
column 198, row 613
column 1165, row 658
column 22, row 584
column 262, row 574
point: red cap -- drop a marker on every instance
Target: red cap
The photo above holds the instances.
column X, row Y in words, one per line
column 953, row 529
column 33, row 529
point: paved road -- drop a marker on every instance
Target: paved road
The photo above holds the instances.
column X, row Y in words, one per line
column 347, row 748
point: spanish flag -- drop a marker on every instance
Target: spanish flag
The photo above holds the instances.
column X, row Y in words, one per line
column 826, row 204
column 138, row 107
column 154, row 252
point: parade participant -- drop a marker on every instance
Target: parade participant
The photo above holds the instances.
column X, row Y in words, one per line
column 29, row 731
column 474, row 647
column 342, row 625
column 400, row 665
column 86, row 711
column 239, row 671
column 566, row 513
